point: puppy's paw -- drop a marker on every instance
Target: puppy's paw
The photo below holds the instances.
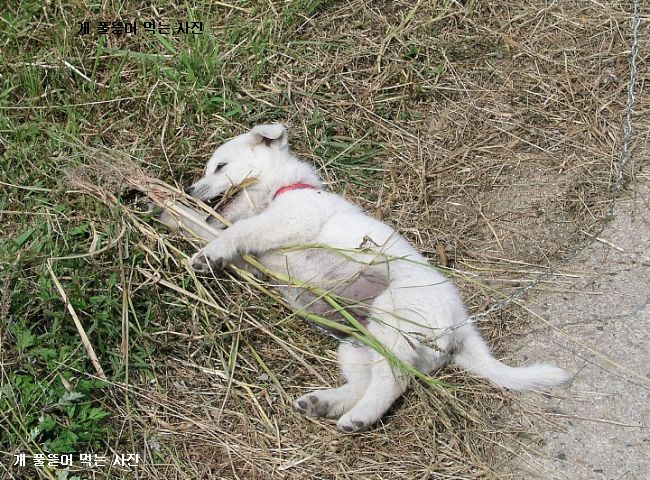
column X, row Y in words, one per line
column 214, row 256
column 347, row 424
column 203, row 263
column 312, row 405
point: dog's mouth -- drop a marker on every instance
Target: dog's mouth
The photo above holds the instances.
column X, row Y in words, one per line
column 221, row 201
column 215, row 203
column 218, row 203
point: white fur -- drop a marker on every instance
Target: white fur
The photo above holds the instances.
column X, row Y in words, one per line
column 408, row 299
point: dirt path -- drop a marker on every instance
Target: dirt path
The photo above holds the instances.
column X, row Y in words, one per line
column 603, row 415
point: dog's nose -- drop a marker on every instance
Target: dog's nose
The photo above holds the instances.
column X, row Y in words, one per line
column 189, row 190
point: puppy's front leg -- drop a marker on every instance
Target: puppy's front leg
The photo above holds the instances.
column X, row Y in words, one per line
column 269, row 230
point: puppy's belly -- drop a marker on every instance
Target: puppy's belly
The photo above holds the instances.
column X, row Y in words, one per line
column 356, row 284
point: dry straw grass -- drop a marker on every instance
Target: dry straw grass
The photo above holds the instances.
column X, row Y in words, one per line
column 498, row 167
column 497, row 155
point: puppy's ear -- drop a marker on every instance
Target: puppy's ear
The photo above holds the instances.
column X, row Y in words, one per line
column 274, row 135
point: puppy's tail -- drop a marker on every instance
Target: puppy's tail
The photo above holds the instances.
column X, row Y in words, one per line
column 474, row 356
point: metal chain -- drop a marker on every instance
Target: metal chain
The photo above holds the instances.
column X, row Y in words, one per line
column 628, row 129
column 616, row 188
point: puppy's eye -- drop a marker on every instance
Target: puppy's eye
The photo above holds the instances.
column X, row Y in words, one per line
column 219, row 167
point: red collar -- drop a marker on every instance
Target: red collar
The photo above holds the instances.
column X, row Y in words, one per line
column 293, row 186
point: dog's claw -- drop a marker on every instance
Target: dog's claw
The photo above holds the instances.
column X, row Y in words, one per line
column 201, row 263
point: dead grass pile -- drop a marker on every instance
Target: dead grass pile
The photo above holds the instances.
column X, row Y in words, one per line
column 504, row 159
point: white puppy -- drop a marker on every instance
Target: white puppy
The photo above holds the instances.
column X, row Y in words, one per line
column 389, row 286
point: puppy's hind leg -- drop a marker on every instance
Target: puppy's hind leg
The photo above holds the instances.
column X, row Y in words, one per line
column 354, row 361
column 386, row 384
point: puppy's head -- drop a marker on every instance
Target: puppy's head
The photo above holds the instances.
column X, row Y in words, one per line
column 240, row 159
